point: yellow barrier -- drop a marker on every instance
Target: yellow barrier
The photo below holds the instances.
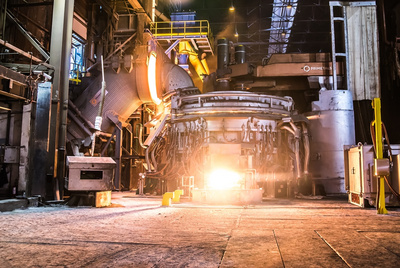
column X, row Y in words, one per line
column 177, row 196
column 166, row 201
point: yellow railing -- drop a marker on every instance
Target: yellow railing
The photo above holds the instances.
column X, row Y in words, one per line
column 76, row 73
column 183, row 29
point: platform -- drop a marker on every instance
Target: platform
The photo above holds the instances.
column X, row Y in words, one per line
column 138, row 232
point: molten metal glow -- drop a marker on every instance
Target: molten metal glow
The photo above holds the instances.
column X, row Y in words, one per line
column 223, row 179
column 151, row 78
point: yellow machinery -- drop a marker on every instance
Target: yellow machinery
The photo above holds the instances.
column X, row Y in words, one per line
column 193, row 37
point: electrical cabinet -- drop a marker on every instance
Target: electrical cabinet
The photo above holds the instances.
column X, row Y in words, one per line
column 360, row 182
column 90, row 173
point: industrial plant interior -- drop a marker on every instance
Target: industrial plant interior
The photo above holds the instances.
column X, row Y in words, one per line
column 199, row 133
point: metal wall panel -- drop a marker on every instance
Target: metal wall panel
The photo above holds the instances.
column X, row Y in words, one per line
column 363, row 52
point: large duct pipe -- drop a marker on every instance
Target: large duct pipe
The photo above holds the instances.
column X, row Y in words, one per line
column 240, row 54
column 161, row 15
column 127, row 91
column 121, row 99
column 223, row 53
column 186, row 49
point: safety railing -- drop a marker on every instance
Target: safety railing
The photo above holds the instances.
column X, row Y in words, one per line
column 179, row 29
column 76, row 73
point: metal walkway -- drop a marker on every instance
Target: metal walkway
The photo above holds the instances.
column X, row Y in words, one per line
column 196, row 31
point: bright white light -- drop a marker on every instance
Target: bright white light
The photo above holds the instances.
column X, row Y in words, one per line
column 151, row 78
column 223, row 179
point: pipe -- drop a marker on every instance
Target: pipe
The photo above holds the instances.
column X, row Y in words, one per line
column 240, row 54
column 160, row 15
column 4, row 19
column 306, row 144
column 141, row 137
column 7, row 142
column 64, row 92
column 296, row 133
column 289, row 129
column 297, row 148
column 147, row 159
column 382, row 6
column 223, row 53
column 99, row 117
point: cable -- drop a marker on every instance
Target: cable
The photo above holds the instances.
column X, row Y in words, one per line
column 392, row 189
column 395, row 193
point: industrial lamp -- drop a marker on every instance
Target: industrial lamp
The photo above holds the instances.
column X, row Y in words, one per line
column 232, row 8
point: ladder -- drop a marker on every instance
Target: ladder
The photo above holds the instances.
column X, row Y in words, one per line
column 336, row 19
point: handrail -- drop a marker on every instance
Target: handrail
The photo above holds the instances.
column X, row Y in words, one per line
column 180, row 28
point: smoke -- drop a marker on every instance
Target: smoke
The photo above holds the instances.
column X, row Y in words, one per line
column 227, row 32
column 235, row 24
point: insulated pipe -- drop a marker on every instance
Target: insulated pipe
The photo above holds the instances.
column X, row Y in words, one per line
column 240, row 54
column 141, row 137
column 99, row 117
column 297, row 148
column 161, row 15
column 296, row 133
column 223, row 53
column 306, row 144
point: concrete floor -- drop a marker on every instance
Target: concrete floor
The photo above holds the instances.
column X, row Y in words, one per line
column 138, row 232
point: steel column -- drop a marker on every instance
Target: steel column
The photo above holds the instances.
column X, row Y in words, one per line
column 118, row 155
column 376, row 104
column 40, row 153
column 61, row 37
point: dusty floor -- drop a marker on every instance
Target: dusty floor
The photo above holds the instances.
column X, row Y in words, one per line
column 138, row 232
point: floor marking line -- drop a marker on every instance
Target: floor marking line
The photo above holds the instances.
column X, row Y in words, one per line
column 334, row 250
column 279, row 249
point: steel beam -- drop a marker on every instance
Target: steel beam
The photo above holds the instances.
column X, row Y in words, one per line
column 16, row 77
column 61, row 37
column 26, row 54
column 30, row 38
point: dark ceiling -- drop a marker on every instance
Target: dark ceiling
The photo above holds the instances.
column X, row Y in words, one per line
column 252, row 21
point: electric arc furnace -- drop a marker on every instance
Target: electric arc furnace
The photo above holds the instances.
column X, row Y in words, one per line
column 234, row 144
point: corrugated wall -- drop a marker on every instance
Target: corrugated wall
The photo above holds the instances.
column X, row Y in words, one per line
column 363, row 52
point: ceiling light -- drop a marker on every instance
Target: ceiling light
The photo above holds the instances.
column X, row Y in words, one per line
column 232, row 7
